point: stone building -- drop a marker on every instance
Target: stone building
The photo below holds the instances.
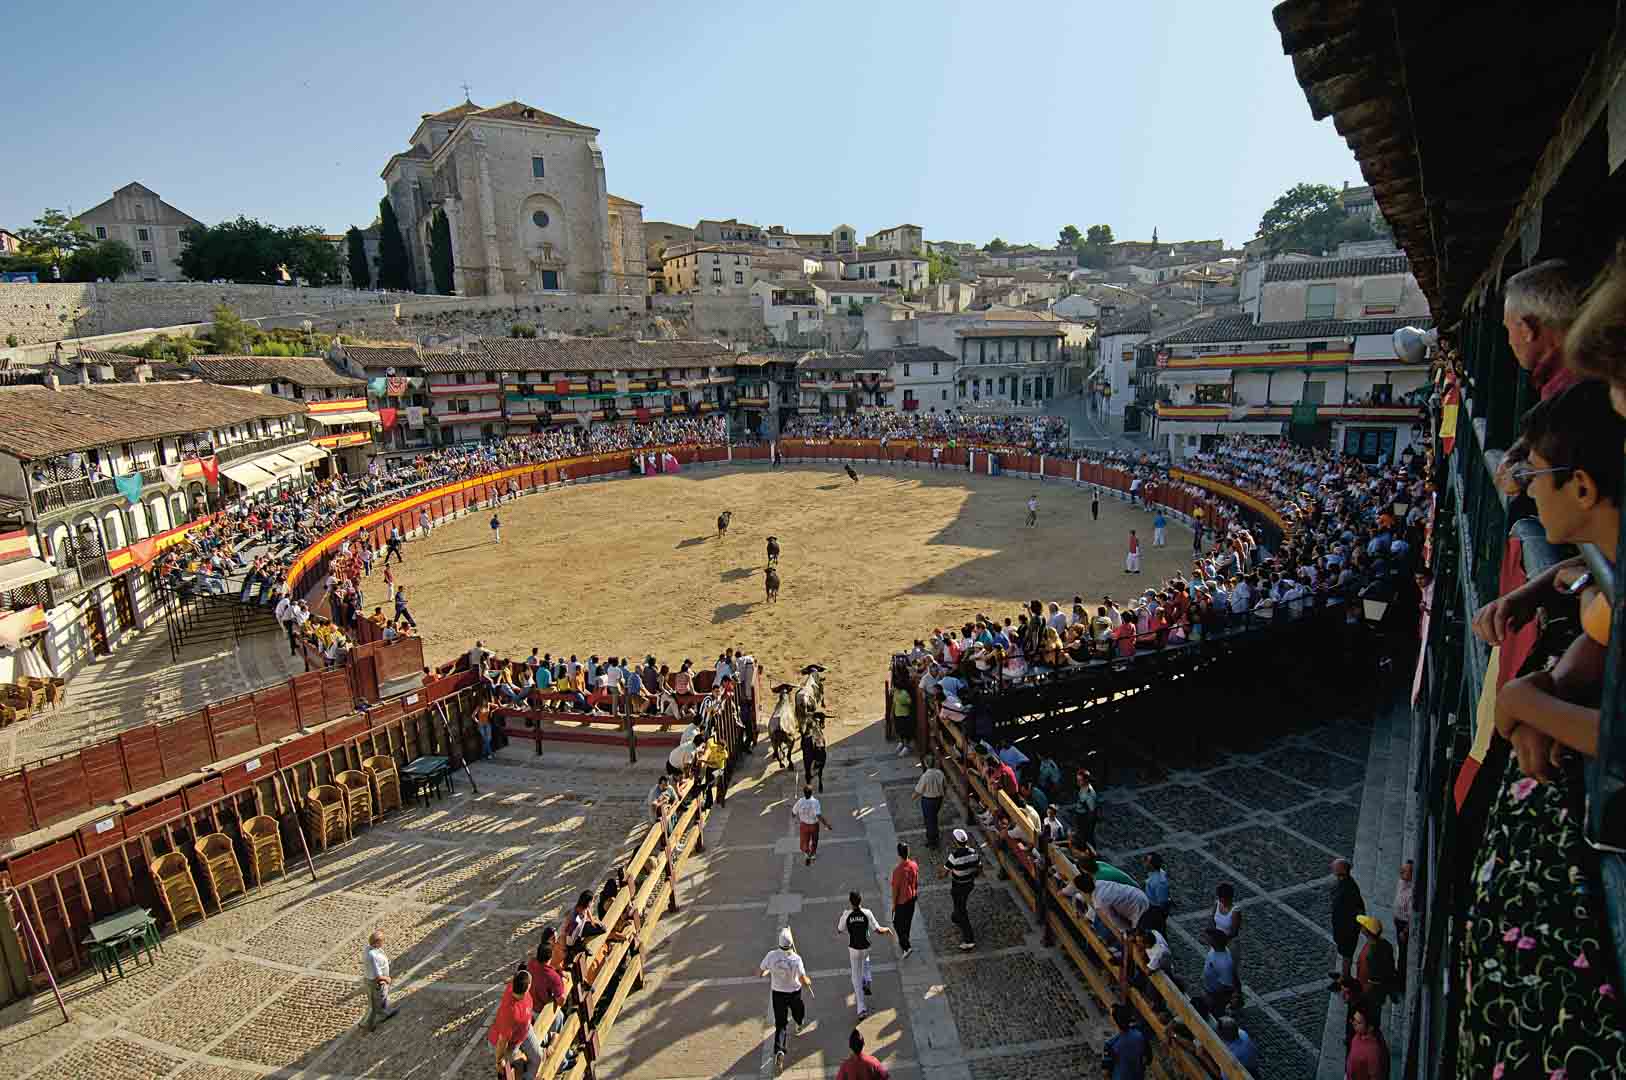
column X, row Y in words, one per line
column 525, row 194
column 904, row 238
column 149, row 225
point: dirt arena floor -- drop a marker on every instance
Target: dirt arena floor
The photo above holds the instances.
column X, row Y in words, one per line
column 634, row 567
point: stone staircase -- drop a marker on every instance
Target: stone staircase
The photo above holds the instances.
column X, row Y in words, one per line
column 1383, row 840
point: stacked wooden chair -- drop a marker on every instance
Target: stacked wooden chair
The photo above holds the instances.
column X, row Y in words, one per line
column 358, row 797
column 386, row 782
column 173, row 875
column 325, row 815
column 264, row 840
column 220, row 866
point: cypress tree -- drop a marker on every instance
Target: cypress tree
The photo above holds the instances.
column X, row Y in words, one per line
column 440, row 252
column 361, row 275
column 394, row 272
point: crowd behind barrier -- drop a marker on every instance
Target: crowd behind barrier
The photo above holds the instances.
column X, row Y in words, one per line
column 1047, row 434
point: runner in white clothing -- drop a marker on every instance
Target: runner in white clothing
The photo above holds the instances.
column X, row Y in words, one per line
column 787, row 975
column 858, row 922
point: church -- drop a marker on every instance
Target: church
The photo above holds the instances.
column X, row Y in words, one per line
column 525, row 196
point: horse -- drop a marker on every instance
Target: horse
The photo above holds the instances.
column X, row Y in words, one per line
column 722, row 523
column 779, row 725
column 770, row 583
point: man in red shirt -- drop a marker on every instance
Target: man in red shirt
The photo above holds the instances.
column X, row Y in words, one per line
column 1368, row 1055
column 905, row 890
column 1003, row 775
column 861, row 1066
column 548, row 982
column 1132, row 560
column 511, row 1029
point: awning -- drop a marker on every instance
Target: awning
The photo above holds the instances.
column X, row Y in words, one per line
column 304, row 453
column 355, row 416
column 250, row 475
column 25, row 571
column 279, row 465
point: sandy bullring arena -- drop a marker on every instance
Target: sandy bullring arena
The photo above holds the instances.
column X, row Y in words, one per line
column 636, row 568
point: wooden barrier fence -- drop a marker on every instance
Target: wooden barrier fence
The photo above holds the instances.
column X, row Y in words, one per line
column 1111, row 978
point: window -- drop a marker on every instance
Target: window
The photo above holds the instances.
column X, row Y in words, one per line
column 872, row 272
column 540, row 218
column 1320, row 301
column 141, row 234
column 894, row 272
column 906, row 371
column 1381, row 296
column 739, row 277
column 101, row 232
column 716, row 260
column 716, row 277
column 1002, row 385
column 536, row 168
column 146, row 255
column 934, row 367
column 945, row 395
column 736, row 260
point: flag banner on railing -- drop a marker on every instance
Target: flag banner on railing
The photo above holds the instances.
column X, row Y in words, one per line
column 18, row 625
column 171, row 474
column 130, row 487
column 211, row 469
column 1450, row 405
column 1484, row 728
column 386, row 418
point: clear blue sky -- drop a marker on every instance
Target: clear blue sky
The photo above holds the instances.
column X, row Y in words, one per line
column 970, row 119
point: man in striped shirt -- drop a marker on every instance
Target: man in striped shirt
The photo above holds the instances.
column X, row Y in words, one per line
column 962, row 868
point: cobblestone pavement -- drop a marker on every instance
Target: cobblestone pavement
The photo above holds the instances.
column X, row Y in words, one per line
column 273, row 983
column 1267, row 816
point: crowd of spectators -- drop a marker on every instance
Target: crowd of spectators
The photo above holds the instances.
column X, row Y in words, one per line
column 1046, row 434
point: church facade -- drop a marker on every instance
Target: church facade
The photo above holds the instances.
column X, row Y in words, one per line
column 525, row 197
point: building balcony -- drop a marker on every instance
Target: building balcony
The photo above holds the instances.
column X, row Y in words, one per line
column 1395, row 414
column 453, row 389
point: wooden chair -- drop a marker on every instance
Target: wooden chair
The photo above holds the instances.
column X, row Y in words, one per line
column 56, row 692
column 220, row 866
column 173, row 875
column 18, row 700
column 358, row 797
column 41, row 690
column 325, row 815
column 386, row 780
column 264, row 841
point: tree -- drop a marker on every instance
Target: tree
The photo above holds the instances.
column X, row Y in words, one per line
column 440, row 252
column 361, row 275
column 1311, row 218
column 240, row 250
column 304, row 252
column 996, row 245
column 53, row 237
column 394, row 272
column 1070, row 236
column 110, row 259
column 1098, row 236
column 230, row 335
column 940, row 267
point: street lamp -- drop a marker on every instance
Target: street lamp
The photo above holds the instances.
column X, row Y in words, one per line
column 1375, row 601
column 310, row 342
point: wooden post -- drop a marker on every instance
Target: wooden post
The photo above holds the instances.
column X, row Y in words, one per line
column 632, row 738
column 310, row 863
column 583, row 1003
column 666, row 851
column 1041, row 896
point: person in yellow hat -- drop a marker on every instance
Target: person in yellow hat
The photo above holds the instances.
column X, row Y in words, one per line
column 1375, row 967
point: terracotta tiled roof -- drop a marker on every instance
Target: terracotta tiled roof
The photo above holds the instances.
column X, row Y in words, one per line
column 1011, row 331
column 310, row 371
column 518, row 110
column 123, row 366
column 844, row 362
column 444, row 363
column 882, row 256
column 384, row 356
column 36, row 421
column 911, row 354
column 456, row 112
column 1242, row 328
column 598, row 354
column 1135, row 322
column 616, row 200
column 1315, row 269
column 832, row 285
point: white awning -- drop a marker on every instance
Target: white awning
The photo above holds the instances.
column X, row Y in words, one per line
column 304, row 453
column 16, row 574
column 250, row 475
column 279, row 465
column 355, row 416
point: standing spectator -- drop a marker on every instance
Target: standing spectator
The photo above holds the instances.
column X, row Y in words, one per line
column 1219, row 973
column 929, row 790
column 425, row 524
column 1347, row 903
column 809, row 816
column 903, row 711
column 392, row 546
column 1132, row 559
column 787, row 976
column 1228, row 921
column 285, row 616
column 402, row 612
column 511, row 1032
column 905, row 891
column 1402, row 918
column 962, row 867
column 1157, row 891
column 1368, row 1057
column 1236, row 1040
column 858, row 922
column 860, row 1066
column 1095, row 504
column 389, row 582
column 375, row 968
column 1127, row 1054
column 1160, row 529
column 1375, row 968
column 496, row 528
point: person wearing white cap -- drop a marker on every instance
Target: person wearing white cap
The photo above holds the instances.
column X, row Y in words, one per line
column 962, row 867
column 787, row 975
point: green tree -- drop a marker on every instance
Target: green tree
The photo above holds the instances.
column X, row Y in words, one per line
column 394, row 272
column 240, row 250
column 1098, row 236
column 231, row 335
column 1311, row 218
column 1070, row 236
column 440, row 252
column 108, row 259
column 305, row 253
column 522, row 330
column 361, row 275
column 53, row 237
column 940, row 267
column 995, row 246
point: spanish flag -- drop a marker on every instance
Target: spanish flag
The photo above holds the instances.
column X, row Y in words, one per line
column 1451, row 404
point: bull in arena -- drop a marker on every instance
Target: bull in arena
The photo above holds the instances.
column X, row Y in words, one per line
column 813, row 751
column 722, row 523
column 809, row 700
column 770, row 584
column 780, row 724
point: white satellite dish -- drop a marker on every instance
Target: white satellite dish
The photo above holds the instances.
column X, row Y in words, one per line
column 1412, row 344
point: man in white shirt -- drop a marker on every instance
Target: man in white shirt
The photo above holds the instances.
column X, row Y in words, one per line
column 478, row 656
column 1057, row 621
column 787, row 975
column 809, row 816
column 858, row 922
column 1118, row 905
column 375, row 972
